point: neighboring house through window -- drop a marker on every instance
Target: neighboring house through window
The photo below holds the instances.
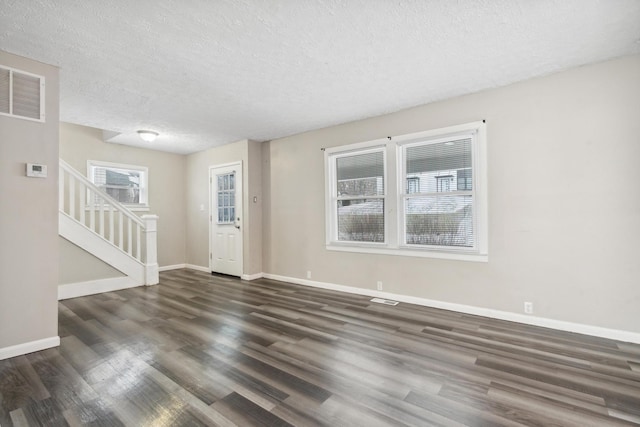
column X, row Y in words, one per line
column 413, row 184
column 444, row 183
column 128, row 184
column 441, row 211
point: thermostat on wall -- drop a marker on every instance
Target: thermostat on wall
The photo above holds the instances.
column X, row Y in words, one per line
column 36, row 171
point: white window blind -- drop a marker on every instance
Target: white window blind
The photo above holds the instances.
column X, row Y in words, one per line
column 359, row 197
column 441, row 212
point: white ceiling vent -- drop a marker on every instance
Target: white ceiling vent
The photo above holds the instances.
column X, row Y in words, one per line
column 21, row 94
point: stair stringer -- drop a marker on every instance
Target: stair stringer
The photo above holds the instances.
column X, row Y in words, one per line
column 101, row 248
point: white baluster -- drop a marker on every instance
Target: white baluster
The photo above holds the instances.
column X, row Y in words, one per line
column 72, row 197
column 129, row 237
column 112, row 214
column 92, row 211
column 83, row 194
column 138, row 242
column 101, row 216
column 120, row 230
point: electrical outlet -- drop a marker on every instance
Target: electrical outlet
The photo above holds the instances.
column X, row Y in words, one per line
column 379, row 285
column 308, row 274
column 528, row 307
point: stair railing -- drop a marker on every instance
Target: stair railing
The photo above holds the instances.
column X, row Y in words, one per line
column 98, row 212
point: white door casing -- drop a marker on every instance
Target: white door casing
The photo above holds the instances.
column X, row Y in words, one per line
column 225, row 215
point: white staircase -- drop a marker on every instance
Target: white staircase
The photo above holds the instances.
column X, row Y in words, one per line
column 102, row 226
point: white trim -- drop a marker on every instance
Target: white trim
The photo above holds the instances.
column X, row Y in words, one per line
column 91, row 287
column 252, row 276
column 198, row 268
column 445, row 132
column 561, row 325
column 356, row 147
column 172, row 267
column 29, row 347
column 408, row 252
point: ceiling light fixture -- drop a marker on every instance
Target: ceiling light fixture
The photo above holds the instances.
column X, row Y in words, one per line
column 148, row 135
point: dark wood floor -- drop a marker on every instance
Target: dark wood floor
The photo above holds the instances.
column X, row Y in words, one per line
column 205, row 350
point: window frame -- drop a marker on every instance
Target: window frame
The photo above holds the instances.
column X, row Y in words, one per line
column 331, row 160
column 143, row 205
column 396, row 191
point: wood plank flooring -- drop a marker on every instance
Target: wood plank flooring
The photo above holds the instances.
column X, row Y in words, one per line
column 207, row 350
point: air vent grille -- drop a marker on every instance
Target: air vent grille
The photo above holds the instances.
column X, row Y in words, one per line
column 21, row 94
column 384, row 301
column 4, row 90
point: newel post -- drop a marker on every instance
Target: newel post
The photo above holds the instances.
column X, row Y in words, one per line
column 151, row 249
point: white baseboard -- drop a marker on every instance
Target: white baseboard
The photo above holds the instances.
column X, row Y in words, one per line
column 198, row 268
column 81, row 289
column 29, row 347
column 172, row 267
column 597, row 331
column 252, row 276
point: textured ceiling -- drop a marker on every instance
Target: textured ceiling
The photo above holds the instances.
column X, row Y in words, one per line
column 205, row 73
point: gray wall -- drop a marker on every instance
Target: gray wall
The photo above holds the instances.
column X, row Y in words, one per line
column 564, row 208
column 29, row 218
column 77, row 265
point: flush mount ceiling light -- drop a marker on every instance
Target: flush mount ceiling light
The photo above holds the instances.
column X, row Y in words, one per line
column 148, row 135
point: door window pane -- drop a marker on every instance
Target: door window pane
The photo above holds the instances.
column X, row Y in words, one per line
column 226, row 198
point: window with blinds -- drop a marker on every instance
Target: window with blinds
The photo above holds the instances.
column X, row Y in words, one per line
column 359, row 196
column 21, row 94
column 441, row 212
column 428, row 200
column 125, row 183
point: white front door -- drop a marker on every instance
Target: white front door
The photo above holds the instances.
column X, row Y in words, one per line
column 226, row 219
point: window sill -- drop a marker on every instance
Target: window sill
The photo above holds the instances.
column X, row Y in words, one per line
column 457, row 256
